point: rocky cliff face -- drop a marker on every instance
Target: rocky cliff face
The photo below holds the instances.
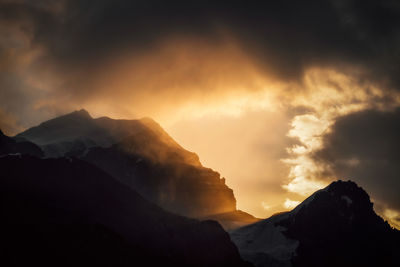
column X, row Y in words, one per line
column 336, row 226
column 183, row 188
column 67, row 212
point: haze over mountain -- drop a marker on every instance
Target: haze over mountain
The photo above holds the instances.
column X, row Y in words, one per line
column 140, row 154
column 335, row 226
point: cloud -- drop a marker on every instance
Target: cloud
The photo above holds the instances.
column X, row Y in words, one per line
column 393, row 217
column 8, row 124
column 286, row 37
column 265, row 205
column 290, row 204
column 327, row 96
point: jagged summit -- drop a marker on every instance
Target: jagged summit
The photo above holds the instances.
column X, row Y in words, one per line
column 73, row 116
column 79, row 125
column 343, row 194
column 350, row 192
column 343, row 187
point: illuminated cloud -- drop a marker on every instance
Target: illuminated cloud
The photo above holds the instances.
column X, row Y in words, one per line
column 328, row 95
column 393, row 216
column 290, row 204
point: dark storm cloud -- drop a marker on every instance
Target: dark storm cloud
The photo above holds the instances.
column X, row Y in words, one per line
column 364, row 147
column 288, row 36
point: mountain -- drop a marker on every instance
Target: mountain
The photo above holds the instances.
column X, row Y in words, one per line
column 336, row 226
column 140, row 154
column 10, row 146
column 67, row 212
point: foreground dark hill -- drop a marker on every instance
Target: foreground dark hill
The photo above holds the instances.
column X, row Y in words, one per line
column 10, row 146
column 66, row 212
column 336, row 226
column 140, row 154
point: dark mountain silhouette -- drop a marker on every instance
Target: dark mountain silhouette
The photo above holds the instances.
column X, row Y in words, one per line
column 140, row 154
column 10, row 146
column 335, row 226
column 67, row 212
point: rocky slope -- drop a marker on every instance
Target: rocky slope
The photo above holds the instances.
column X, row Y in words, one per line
column 335, row 226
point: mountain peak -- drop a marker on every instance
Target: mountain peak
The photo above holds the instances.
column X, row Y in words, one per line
column 340, row 185
column 350, row 193
column 64, row 128
column 343, row 193
column 347, row 190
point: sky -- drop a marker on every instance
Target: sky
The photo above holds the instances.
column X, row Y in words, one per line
column 280, row 97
